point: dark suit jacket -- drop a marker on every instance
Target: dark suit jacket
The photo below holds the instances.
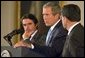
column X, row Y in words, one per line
column 38, row 39
column 56, row 45
column 74, row 45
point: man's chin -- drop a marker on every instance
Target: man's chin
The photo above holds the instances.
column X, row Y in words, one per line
column 64, row 27
column 47, row 24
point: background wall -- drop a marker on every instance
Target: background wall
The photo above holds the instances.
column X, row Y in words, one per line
column 9, row 19
column 11, row 10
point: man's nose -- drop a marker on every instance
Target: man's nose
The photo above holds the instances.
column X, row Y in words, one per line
column 45, row 18
column 27, row 27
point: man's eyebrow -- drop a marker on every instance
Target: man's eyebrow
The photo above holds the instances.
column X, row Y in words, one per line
column 27, row 23
column 45, row 14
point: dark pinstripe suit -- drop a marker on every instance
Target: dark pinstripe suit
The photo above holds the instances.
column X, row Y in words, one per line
column 56, row 44
column 74, row 45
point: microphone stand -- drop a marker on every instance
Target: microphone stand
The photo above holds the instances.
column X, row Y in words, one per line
column 8, row 39
column 9, row 36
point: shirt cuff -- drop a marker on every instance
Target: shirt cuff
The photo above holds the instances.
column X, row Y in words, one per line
column 32, row 46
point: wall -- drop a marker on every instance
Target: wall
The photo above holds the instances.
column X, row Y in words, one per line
column 8, row 19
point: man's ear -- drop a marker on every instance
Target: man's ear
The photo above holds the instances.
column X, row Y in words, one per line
column 57, row 16
column 36, row 26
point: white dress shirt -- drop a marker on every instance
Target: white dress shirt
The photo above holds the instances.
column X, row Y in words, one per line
column 51, row 29
column 31, row 35
column 72, row 27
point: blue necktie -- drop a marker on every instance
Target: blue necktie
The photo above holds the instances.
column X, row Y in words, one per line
column 48, row 38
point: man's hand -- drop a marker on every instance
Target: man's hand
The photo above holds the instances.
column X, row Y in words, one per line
column 22, row 44
column 26, row 34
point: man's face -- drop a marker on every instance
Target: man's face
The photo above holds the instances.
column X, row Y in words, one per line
column 48, row 17
column 28, row 25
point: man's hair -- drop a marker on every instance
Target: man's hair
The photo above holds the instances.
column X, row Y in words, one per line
column 55, row 7
column 72, row 12
column 31, row 17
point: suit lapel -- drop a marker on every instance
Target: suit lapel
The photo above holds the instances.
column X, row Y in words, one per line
column 65, row 49
column 54, row 32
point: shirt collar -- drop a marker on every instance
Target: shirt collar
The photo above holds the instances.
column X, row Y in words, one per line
column 52, row 27
column 33, row 34
column 72, row 27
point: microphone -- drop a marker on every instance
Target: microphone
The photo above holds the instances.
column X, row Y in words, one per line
column 14, row 32
column 9, row 36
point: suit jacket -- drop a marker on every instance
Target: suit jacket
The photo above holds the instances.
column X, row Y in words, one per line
column 38, row 39
column 74, row 45
column 56, row 45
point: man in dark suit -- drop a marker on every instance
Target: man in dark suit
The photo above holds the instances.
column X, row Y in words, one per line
column 74, row 45
column 54, row 43
column 31, row 32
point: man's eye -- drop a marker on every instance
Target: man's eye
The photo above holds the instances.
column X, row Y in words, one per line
column 30, row 23
column 46, row 14
column 24, row 24
column 27, row 24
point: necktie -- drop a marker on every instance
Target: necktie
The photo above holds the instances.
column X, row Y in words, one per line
column 48, row 38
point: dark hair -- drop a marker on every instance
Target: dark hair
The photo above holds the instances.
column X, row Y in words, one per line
column 55, row 7
column 31, row 17
column 72, row 12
